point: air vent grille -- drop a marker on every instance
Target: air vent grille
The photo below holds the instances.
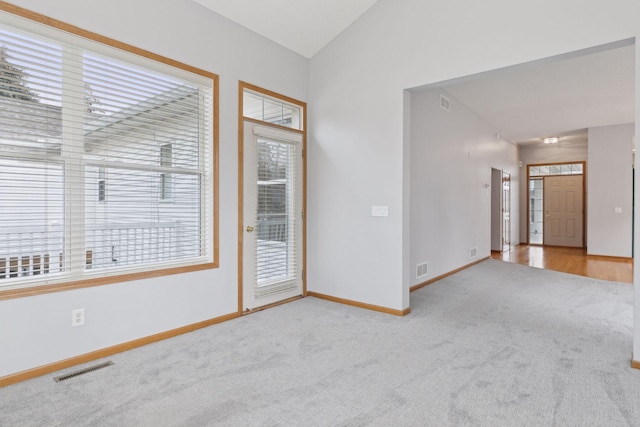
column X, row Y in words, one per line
column 83, row 371
column 445, row 103
column 422, row 269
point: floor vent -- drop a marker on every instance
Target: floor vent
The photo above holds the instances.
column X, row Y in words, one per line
column 83, row 371
column 445, row 103
column 422, row 269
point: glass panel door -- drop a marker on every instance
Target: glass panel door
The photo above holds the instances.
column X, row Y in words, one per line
column 272, row 238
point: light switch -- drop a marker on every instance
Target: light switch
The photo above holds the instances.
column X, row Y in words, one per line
column 617, row 210
column 379, row 210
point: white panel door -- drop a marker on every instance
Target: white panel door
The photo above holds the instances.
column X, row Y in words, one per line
column 272, row 215
column 563, row 211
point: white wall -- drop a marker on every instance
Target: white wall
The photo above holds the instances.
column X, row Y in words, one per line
column 35, row 331
column 610, row 186
column 452, row 156
column 357, row 149
column 573, row 151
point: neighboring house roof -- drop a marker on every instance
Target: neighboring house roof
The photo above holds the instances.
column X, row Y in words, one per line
column 38, row 125
column 168, row 107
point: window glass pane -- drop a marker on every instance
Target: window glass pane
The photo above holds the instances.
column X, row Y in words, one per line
column 133, row 226
column 31, row 218
column 113, row 172
column 252, row 106
column 275, row 208
column 535, row 211
column 566, row 169
column 30, row 94
column 260, row 107
column 272, row 112
column 287, row 116
column 133, row 112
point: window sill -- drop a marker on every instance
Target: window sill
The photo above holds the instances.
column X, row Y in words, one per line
column 34, row 290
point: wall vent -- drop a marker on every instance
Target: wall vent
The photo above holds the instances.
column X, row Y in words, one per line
column 422, row 269
column 82, row 371
column 473, row 252
column 445, row 103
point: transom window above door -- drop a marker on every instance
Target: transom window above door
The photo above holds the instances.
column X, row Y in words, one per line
column 557, row 169
column 264, row 108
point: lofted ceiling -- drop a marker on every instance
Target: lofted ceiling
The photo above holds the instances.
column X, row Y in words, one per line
column 304, row 26
column 555, row 97
column 558, row 97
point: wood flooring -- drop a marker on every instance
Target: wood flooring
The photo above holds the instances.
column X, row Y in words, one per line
column 570, row 260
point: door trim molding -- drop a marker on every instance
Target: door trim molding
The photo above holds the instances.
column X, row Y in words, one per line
column 584, row 196
column 241, row 121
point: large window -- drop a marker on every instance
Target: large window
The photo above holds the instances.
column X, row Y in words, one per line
column 106, row 160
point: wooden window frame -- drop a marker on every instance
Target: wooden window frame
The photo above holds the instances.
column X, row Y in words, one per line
column 36, row 289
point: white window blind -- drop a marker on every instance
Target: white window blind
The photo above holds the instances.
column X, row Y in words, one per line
column 278, row 216
column 105, row 160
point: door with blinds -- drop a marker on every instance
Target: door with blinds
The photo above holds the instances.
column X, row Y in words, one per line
column 272, row 215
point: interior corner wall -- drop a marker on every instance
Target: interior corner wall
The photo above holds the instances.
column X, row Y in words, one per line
column 356, row 116
column 452, row 156
column 610, row 190
column 36, row 331
column 544, row 154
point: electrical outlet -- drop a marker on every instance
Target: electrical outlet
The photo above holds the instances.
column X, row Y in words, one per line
column 77, row 317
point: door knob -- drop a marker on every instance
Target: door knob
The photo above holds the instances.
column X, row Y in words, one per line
column 249, row 228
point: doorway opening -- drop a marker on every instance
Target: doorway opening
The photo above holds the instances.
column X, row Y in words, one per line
column 500, row 210
column 272, row 186
column 555, row 214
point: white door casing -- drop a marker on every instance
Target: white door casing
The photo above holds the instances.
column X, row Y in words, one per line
column 272, row 244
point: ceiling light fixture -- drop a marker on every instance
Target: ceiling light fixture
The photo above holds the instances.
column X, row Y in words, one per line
column 551, row 140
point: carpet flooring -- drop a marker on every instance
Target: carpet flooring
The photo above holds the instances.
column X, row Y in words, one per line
column 497, row 344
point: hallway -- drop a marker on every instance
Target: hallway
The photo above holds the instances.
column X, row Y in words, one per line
column 570, row 260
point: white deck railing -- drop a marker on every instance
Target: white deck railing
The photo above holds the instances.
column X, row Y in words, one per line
column 25, row 251
column 272, row 227
column 29, row 252
column 127, row 244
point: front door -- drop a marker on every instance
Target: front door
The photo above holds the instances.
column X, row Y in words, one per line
column 272, row 215
column 563, row 211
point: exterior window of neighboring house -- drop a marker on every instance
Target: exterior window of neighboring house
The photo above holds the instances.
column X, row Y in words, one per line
column 102, row 185
column 78, row 116
column 165, row 178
